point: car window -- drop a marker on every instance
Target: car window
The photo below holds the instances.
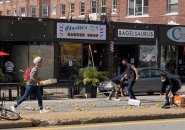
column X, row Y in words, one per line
column 156, row 72
column 144, row 73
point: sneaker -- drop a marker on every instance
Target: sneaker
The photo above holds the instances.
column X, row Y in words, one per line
column 13, row 108
column 166, row 106
column 109, row 98
column 116, row 99
column 44, row 111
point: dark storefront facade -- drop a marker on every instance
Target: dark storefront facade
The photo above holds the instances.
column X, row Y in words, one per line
column 80, row 44
column 24, row 39
column 136, row 42
column 172, row 40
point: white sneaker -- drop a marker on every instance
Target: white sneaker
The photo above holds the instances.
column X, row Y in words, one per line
column 44, row 111
column 116, row 99
column 13, row 108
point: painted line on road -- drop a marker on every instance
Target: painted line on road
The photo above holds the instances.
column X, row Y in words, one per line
column 110, row 124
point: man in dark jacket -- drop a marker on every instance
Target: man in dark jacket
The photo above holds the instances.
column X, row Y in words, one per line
column 169, row 86
column 130, row 74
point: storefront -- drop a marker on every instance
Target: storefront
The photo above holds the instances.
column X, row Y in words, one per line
column 24, row 39
column 136, row 42
column 172, row 40
column 80, row 44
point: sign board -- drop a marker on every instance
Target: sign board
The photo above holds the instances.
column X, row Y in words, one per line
column 81, row 31
column 130, row 33
column 176, row 34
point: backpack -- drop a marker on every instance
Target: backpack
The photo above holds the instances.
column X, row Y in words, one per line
column 26, row 76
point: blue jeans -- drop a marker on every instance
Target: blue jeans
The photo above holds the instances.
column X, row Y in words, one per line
column 130, row 86
column 117, row 79
column 31, row 89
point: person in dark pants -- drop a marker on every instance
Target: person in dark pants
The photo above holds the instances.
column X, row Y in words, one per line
column 32, row 86
column 169, row 86
column 130, row 74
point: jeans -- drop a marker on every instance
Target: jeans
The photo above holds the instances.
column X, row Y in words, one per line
column 117, row 79
column 130, row 86
column 31, row 89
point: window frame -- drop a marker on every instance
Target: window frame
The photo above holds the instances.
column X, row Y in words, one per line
column 157, row 76
column 22, row 7
column 1, row 12
column 114, row 6
column 72, row 11
column 93, row 7
column 80, row 9
column 8, row 12
column 150, row 73
column 45, row 7
column 53, row 9
column 168, row 6
column 62, row 10
column 142, row 12
column 14, row 12
column 33, row 14
column 103, row 7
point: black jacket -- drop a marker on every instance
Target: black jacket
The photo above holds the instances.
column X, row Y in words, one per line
column 173, row 84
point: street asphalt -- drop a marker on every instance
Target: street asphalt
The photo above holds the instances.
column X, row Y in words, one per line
column 172, row 124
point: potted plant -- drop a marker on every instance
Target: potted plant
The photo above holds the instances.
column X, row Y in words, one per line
column 4, row 78
column 91, row 77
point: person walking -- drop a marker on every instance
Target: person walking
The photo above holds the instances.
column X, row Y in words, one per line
column 169, row 86
column 32, row 86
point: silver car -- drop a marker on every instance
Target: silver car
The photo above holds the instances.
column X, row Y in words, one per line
column 148, row 82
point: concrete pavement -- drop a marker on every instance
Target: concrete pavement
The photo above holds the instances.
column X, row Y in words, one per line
column 80, row 111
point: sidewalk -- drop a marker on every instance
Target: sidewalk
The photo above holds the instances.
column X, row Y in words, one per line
column 82, row 111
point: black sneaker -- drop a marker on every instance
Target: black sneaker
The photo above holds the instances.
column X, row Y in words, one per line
column 166, row 106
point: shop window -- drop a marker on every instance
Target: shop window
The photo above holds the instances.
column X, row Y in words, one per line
column 157, row 73
column 53, row 9
column 114, row 6
column 82, row 8
column 62, row 10
column 15, row 12
column 93, row 6
column 44, row 10
column 33, row 11
column 103, row 6
column 172, row 6
column 137, row 7
column 145, row 73
column 22, row 11
column 148, row 56
column 71, row 60
column 7, row 12
column 72, row 9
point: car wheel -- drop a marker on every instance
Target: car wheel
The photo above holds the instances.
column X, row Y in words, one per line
column 150, row 93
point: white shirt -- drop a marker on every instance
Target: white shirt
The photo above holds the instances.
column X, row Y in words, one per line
column 9, row 66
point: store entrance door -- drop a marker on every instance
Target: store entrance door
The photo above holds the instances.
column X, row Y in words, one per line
column 130, row 52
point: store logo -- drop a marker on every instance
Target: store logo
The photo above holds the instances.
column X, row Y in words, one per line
column 176, row 34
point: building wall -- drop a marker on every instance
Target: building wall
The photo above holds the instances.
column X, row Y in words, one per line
column 157, row 10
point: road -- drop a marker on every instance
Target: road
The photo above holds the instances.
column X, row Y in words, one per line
column 172, row 124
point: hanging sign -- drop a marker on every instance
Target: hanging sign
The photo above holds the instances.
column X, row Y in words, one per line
column 81, row 31
column 176, row 34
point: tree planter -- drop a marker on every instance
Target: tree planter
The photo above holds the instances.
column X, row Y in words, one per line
column 91, row 91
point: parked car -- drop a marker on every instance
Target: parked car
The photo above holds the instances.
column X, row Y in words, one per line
column 148, row 82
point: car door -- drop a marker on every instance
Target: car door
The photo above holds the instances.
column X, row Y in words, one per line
column 155, row 79
column 143, row 82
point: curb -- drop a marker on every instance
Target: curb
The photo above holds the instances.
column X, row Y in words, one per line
column 54, row 122
column 15, row 124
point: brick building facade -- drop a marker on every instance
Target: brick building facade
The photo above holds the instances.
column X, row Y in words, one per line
column 135, row 11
